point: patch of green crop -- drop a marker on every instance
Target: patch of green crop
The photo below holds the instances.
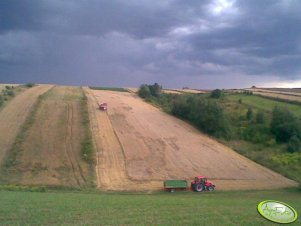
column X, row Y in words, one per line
column 263, row 103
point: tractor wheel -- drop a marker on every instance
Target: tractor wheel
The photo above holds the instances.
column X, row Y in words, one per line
column 210, row 188
column 199, row 188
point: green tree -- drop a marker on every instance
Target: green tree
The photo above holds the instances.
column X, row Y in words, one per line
column 249, row 114
column 209, row 117
column 180, row 107
column 144, row 91
column 217, row 93
column 260, row 119
column 284, row 125
column 294, row 144
column 155, row 89
column 1, row 100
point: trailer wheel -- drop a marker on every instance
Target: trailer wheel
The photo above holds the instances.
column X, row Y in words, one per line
column 199, row 188
column 210, row 188
column 172, row 190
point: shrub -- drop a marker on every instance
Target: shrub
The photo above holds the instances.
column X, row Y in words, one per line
column 1, row 100
column 155, row 89
column 249, row 114
column 180, row 107
column 287, row 159
column 246, row 92
column 260, row 119
column 256, row 134
column 284, row 125
column 11, row 93
column 8, row 92
column 294, row 144
column 217, row 93
column 29, row 85
column 144, row 91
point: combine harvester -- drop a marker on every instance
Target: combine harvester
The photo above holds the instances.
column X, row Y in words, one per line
column 103, row 106
column 199, row 184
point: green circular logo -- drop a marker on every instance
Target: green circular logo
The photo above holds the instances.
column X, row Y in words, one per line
column 278, row 212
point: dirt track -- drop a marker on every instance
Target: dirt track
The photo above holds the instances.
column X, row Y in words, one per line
column 14, row 114
column 139, row 146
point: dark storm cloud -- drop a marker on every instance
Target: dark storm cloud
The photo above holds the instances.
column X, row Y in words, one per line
column 126, row 43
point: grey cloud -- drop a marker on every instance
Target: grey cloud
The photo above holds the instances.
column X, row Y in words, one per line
column 126, row 43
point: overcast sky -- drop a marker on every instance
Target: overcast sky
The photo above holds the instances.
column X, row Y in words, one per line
column 199, row 44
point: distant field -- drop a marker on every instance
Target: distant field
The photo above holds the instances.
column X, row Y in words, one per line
column 109, row 88
column 291, row 90
column 2, row 86
column 180, row 208
column 264, row 103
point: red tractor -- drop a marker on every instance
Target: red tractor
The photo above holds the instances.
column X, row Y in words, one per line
column 201, row 183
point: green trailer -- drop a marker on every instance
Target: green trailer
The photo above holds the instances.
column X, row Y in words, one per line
column 173, row 185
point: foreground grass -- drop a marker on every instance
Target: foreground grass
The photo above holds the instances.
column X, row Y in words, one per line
column 182, row 208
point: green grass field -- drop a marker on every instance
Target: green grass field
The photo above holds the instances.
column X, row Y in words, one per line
column 264, row 104
column 180, row 208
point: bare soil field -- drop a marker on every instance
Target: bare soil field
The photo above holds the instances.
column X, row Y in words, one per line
column 51, row 149
column 138, row 147
column 13, row 115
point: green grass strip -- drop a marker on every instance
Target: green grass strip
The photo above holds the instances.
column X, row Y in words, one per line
column 87, row 150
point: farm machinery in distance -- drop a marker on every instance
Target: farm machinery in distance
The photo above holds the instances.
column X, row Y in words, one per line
column 199, row 184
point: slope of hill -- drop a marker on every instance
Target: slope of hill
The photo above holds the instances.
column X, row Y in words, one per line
column 139, row 144
column 13, row 115
column 50, row 151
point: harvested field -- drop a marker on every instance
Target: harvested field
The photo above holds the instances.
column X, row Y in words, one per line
column 291, row 96
column 192, row 91
column 132, row 90
column 171, row 91
column 13, row 115
column 138, row 147
column 3, row 86
column 51, row 151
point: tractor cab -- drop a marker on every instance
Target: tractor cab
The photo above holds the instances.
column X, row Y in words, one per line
column 201, row 183
column 200, row 179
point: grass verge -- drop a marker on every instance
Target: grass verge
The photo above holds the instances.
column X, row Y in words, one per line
column 87, row 151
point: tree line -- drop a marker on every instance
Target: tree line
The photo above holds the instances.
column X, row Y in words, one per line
column 207, row 112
